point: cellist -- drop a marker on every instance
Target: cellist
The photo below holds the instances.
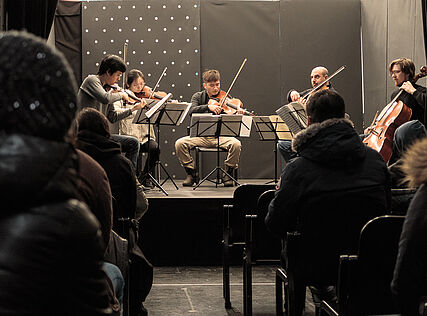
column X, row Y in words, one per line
column 203, row 102
column 402, row 71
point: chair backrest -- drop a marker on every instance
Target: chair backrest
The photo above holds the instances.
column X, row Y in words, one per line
column 262, row 236
column 369, row 291
column 329, row 225
column 400, row 199
column 245, row 199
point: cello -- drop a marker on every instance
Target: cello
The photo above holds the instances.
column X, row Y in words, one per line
column 394, row 114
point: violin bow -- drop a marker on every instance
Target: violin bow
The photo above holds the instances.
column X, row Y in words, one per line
column 125, row 54
column 234, row 80
column 324, row 81
column 158, row 82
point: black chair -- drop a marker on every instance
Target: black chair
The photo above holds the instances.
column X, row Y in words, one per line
column 329, row 227
column 256, row 238
column 400, row 199
column 364, row 279
column 245, row 198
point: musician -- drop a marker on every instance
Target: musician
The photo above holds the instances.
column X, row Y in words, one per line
column 318, row 75
column 200, row 104
column 135, row 82
column 402, row 71
column 92, row 94
column 334, row 173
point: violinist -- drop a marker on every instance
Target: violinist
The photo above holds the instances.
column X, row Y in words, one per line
column 92, row 94
column 136, row 84
column 203, row 102
column 318, row 75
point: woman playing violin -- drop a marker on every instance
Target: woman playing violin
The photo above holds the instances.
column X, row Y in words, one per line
column 136, row 84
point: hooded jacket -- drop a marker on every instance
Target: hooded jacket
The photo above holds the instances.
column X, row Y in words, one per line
column 51, row 249
column 410, row 275
column 119, row 171
column 332, row 162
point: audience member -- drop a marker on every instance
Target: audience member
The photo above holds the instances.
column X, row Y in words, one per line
column 332, row 162
column 409, row 284
column 51, row 247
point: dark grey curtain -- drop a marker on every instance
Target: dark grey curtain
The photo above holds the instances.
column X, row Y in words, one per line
column 68, row 34
column 35, row 16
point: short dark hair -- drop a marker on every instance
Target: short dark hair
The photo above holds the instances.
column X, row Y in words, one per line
column 90, row 119
column 111, row 64
column 133, row 75
column 406, row 65
column 211, row 75
column 325, row 104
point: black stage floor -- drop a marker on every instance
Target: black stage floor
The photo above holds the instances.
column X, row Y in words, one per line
column 184, row 228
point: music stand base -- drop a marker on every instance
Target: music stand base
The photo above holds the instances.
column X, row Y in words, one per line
column 217, row 181
column 168, row 177
column 157, row 184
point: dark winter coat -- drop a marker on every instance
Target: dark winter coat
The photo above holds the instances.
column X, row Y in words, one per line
column 410, row 275
column 119, row 171
column 50, row 244
column 332, row 163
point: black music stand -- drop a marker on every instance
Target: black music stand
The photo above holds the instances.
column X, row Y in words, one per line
column 172, row 114
column 146, row 117
column 294, row 115
column 207, row 125
column 272, row 128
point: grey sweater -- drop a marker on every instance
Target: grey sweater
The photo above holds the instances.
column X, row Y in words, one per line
column 92, row 94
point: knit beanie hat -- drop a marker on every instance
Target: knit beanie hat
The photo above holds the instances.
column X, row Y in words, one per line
column 37, row 92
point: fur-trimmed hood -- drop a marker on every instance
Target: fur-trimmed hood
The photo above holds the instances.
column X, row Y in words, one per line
column 414, row 163
column 331, row 142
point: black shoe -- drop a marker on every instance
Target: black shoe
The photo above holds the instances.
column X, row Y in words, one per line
column 226, row 180
column 148, row 183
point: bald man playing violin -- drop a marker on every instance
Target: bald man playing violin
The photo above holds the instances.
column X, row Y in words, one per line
column 203, row 102
column 318, row 75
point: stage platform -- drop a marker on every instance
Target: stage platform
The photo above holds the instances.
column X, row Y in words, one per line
column 205, row 191
column 185, row 227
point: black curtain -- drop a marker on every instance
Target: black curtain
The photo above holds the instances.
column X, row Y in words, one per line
column 424, row 5
column 68, row 34
column 35, row 16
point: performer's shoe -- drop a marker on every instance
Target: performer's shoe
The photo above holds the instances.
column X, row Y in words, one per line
column 191, row 177
column 228, row 182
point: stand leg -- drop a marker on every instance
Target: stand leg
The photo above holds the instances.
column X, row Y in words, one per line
column 156, row 184
column 168, row 177
column 275, row 164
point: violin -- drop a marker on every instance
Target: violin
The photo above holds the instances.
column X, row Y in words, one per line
column 229, row 105
column 381, row 131
column 147, row 93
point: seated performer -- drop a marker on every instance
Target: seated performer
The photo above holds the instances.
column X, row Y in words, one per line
column 318, row 75
column 200, row 103
column 92, row 94
column 136, row 84
column 402, row 71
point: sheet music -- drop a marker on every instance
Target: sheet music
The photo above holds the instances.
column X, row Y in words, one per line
column 151, row 111
column 174, row 113
column 294, row 115
column 271, row 127
column 206, row 125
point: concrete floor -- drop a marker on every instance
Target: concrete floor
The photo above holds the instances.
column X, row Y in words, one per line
column 197, row 291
